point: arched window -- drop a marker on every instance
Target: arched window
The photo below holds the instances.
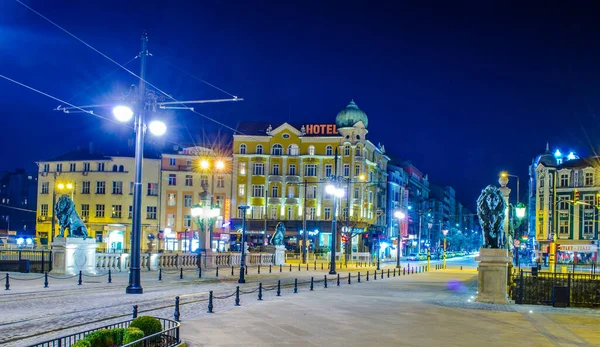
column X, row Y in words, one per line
column 311, row 150
column 329, row 150
column 365, row 153
column 293, row 150
column 242, row 149
column 114, row 168
column 347, row 150
column 277, row 149
column 121, row 168
column 259, row 149
column 358, row 151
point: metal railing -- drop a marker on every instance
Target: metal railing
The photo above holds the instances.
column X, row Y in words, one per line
column 38, row 261
column 169, row 336
column 532, row 288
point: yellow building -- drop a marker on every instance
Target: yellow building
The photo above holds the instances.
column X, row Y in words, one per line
column 185, row 174
column 282, row 172
column 102, row 189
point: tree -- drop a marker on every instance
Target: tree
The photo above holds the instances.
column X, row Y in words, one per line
column 349, row 227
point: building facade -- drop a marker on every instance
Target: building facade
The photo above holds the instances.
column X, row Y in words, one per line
column 18, row 195
column 281, row 173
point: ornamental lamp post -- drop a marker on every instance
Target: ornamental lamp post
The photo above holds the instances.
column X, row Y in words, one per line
column 243, row 208
column 400, row 215
column 336, row 192
column 445, row 232
column 204, row 213
column 520, row 211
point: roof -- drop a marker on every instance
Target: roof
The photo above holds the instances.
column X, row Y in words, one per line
column 79, row 155
column 580, row 163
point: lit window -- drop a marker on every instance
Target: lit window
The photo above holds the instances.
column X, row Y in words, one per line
column 187, row 200
column 277, row 149
column 188, row 180
column 241, row 190
column 242, row 169
column 329, row 150
column 311, row 150
column 242, row 149
column 259, row 149
column 172, row 179
column 172, row 199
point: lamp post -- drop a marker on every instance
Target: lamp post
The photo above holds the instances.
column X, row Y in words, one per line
column 400, row 215
column 445, row 232
column 211, row 166
column 202, row 215
column 243, row 208
column 520, row 209
column 336, row 192
column 506, row 174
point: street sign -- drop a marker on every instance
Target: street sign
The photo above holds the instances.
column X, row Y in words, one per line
column 517, row 243
column 578, row 248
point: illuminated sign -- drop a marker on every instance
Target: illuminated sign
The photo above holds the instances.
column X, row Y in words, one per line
column 321, row 129
column 578, row 248
column 227, row 210
column 310, row 232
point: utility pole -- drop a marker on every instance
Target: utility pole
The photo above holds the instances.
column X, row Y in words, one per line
column 420, row 221
column 304, row 231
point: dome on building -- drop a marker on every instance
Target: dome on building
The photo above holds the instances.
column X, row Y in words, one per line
column 351, row 115
column 546, row 158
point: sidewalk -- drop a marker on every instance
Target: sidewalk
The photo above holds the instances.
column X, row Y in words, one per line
column 432, row 309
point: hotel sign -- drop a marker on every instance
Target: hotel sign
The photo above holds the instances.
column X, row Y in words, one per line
column 321, row 129
column 578, row 248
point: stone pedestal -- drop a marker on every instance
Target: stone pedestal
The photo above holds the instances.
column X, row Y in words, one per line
column 492, row 275
column 71, row 255
column 279, row 255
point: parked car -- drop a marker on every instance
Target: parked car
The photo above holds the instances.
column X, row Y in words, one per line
column 412, row 257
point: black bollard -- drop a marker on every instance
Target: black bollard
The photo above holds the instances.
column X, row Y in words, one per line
column 315, row 265
column 312, row 283
column 259, row 269
column 135, row 311
column 461, row 268
column 210, row 302
column 325, row 282
column 298, row 266
column 246, row 268
column 176, row 313
column 7, row 285
column 260, row 291
column 367, row 275
column 388, row 273
column 358, row 278
column 269, row 268
column 200, row 272
column 349, row 278
column 306, row 266
column 413, row 270
column 278, row 287
column 404, row 271
column 382, row 274
column 321, row 266
column 231, row 270
column 394, row 272
column 237, row 296
column 160, row 274
column 109, row 276
column 295, row 286
column 375, row 275
column 80, row 278
column 280, row 267
column 46, row 279
column 181, row 273
column 338, row 279
column 217, row 273
column 290, row 267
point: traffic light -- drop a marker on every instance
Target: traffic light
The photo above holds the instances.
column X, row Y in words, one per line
column 598, row 201
column 344, row 239
column 575, row 197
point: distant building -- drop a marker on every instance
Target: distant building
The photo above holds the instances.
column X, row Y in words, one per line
column 18, row 195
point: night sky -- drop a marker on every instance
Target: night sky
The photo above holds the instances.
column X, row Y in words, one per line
column 462, row 89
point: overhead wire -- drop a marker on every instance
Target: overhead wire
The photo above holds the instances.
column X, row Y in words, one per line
column 17, row 208
column 100, row 79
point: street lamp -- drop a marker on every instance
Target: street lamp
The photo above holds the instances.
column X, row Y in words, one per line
column 445, row 232
column 336, row 192
column 520, row 211
column 400, row 215
column 204, row 213
column 505, row 174
column 243, row 208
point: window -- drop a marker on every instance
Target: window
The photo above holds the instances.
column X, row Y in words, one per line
column 259, row 149
column 44, row 210
column 86, row 167
column 357, row 193
column 346, row 170
column 588, row 201
column 241, row 190
column 273, row 214
column 276, row 169
column 564, row 180
column 328, row 150
column 258, row 169
column 358, row 151
column 188, row 180
column 277, row 149
column 46, row 167
column 310, row 170
column 242, row 149
column 370, row 197
column 345, row 213
column 328, row 170
column 203, row 181
column 258, row 190
column 117, row 187
column 172, row 179
column 311, row 150
column 311, row 192
column 100, row 187
column 562, row 204
column 100, row 166
column 327, row 213
column 172, row 161
column 219, row 200
column 171, row 220
column 130, row 213
column 121, row 168
column 220, row 182
column 73, row 167
column 85, row 210
column 151, row 212
column 356, row 170
column 275, row 191
column 542, row 179
column 152, row 189
column 115, row 168
column 242, row 169
column 116, row 211
column 588, row 227
column 311, row 213
column 290, row 213
column 85, row 187
column 171, row 199
column 564, row 227
column 187, row 200
column 188, row 163
column 99, row 211
column 45, row 187
column 291, row 191
column 187, row 221
column 257, row 212
column 240, row 213
column 292, row 170
column 589, row 179
column 293, row 150
column 58, row 167
column 346, row 150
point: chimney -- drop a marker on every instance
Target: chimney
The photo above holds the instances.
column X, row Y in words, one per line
column 91, row 149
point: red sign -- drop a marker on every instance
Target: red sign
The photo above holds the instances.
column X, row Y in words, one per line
column 517, row 243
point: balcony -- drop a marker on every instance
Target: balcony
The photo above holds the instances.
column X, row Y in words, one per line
column 292, row 179
column 275, row 200
column 291, row 201
column 184, row 168
column 359, row 158
column 275, row 178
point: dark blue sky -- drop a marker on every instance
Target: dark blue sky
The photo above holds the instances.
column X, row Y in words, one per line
column 462, row 89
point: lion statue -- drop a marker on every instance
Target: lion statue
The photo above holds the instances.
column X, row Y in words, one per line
column 277, row 238
column 491, row 212
column 67, row 217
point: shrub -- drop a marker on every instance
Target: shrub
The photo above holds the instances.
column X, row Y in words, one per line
column 118, row 334
column 82, row 343
column 101, row 338
column 149, row 325
column 132, row 334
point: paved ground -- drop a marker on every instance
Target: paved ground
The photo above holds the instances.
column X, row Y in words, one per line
column 431, row 309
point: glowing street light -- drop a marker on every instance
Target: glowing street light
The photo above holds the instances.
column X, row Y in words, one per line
column 220, row 165
column 520, row 209
column 122, row 113
column 400, row 215
column 157, row 128
column 61, row 186
column 204, row 164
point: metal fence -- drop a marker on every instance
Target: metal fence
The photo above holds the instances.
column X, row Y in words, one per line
column 169, row 336
column 25, row 260
column 582, row 290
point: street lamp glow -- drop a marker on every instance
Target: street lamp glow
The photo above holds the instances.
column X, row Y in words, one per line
column 122, row 113
column 399, row 215
column 204, row 164
column 157, row 128
column 520, row 209
column 69, row 186
column 339, row 193
column 220, row 165
column 61, row 186
column 361, row 177
column 330, row 189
